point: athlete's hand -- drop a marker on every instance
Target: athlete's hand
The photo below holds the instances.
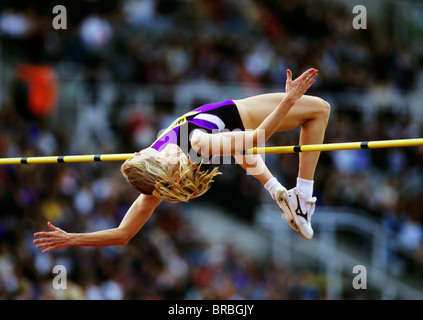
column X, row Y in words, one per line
column 296, row 88
column 52, row 240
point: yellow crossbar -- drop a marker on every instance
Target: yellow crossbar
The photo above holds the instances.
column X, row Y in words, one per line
column 338, row 146
column 67, row 159
column 266, row 150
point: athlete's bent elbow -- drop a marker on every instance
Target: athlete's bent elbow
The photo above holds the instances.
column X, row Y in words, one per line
column 124, row 239
column 122, row 243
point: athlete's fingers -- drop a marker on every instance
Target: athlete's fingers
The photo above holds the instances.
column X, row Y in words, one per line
column 40, row 240
column 288, row 75
column 43, row 245
column 42, row 234
column 309, row 74
column 311, row 78
column 51, row 226
column 48, row 249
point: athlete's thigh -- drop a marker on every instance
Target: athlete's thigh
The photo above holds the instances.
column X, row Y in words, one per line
column 255, row 109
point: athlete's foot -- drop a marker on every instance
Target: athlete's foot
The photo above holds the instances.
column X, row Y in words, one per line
column 298, row 212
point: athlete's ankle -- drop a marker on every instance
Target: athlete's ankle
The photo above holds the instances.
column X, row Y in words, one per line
column 305, row 189
column 272, row 185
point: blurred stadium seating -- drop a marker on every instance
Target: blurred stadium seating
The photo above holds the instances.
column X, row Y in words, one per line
column 124, row 69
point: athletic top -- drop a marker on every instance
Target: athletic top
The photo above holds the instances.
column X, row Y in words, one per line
column 212, row 118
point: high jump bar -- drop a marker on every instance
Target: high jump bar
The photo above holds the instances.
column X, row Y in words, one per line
column 67, row 159
column 338, row 146
column 261, row 150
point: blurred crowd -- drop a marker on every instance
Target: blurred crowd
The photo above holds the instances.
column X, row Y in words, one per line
column 147, row 42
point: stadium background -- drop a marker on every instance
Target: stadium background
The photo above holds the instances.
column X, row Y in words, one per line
column 123, row 69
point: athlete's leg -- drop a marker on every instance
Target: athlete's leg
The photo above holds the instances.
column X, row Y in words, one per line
column 312, row 132
column 309, row 112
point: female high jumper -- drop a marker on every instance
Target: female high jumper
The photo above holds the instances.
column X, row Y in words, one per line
column 179, row 164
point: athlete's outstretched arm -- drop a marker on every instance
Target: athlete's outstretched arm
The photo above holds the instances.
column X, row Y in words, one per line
column 135, row 218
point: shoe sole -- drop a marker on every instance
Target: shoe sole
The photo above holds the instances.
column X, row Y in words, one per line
column 286, row 211
column 289, row 216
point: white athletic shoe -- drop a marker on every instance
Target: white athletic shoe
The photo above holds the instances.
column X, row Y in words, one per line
column 281, row 196
column 298, row 212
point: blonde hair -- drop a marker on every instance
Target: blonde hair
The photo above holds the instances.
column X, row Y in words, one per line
column 150, row 177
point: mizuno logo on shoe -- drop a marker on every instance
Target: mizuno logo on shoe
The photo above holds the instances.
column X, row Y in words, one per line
column 299, row 211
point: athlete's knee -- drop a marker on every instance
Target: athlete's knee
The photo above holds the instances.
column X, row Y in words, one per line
column 324, row 109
